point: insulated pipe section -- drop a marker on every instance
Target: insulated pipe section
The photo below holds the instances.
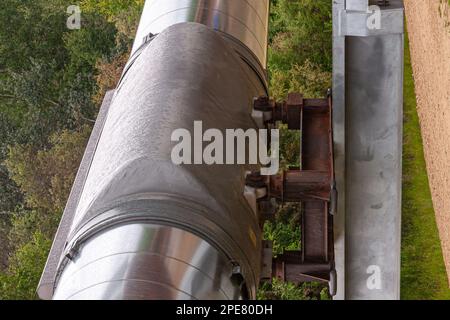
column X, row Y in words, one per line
column 143, row 227
column 145, row 261
column 243, row 20
column 137, row 226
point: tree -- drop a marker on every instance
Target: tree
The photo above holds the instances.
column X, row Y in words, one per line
column 5, row 247
column 46, row 176
column 20, row 280
column 48, row 71
column 10, row 194
column 31, row 28
column 25, row 222
column 278, row 290
column 109, row 73
column 48, row 76
column 111, row 9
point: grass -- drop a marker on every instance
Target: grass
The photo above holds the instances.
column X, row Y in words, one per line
column 424, row 275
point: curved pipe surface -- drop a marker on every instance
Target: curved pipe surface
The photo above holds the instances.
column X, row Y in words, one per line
column 152, row 229
column 244, row 20
column 146, row 261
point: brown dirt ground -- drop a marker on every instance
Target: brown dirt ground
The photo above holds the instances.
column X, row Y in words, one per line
column 430, row 53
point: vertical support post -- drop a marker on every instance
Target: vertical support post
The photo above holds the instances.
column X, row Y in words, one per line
column 367, row 104
column 339, row 144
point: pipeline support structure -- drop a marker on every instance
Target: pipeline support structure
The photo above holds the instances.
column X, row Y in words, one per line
column 138, row 226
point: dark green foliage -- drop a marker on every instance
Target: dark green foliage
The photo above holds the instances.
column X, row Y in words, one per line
column 285, row 232
column 25, row 268
column 289, row 147
column 48, row 71
column 31, row 28
column 111, row 9
column 278, row 290
column 46, row 176
column 10, row 194
column 5, row 226
column 48, row 77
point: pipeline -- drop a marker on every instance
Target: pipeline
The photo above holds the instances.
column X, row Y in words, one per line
column 137, row 226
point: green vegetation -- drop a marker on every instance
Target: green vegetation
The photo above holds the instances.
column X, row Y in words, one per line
column 287, row 291
column 423, row 270
column 24, row 270
column 300, row 47
column 299, row 61
column 285, row 231
column 52, row 81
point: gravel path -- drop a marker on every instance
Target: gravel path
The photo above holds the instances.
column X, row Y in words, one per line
column 430, row 53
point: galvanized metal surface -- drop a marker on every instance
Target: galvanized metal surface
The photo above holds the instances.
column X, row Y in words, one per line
column 339, row 142
column 374, row 104
column 356, row 5
column 354, row 23
column 244, row 20
column 368, row 69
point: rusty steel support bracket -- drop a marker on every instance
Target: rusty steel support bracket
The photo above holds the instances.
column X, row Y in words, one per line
column 312, row 185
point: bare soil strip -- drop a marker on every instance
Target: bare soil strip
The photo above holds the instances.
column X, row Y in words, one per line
column 430, row 53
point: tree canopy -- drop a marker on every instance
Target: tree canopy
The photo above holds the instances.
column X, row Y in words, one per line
column 52, row 81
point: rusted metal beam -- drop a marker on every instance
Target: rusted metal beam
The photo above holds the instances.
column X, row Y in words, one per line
column 312, row 185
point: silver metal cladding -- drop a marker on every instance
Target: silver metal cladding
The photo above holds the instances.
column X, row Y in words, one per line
column 146, row 261
column 143, row 227
column 244, row 20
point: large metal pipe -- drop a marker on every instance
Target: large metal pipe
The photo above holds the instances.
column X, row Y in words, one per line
column 146, row 261
column 245, row 21
column 138, row 226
